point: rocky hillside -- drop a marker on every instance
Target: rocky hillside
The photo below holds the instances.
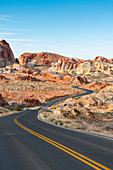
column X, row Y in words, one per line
column 39, row 58
column 103, row 59
column 6, row 54
column 74, row 66
column 66, row 65
column 94, row 67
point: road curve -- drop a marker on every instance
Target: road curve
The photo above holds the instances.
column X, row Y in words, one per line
column 27, row 143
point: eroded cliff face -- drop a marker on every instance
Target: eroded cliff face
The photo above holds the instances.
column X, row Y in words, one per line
column 66, row 65
column 6, row 54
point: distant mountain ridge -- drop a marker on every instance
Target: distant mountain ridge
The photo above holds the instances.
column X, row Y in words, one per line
column 46, row 58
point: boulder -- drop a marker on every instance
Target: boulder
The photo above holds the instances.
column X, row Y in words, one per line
column 2, row 101
column 82, row 80
column 36, row 73
column 83, row 68
column 30, row 102
column 51, row 76
column 68, row 78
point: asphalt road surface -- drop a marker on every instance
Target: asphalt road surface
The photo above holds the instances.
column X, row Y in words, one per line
column 27, row 143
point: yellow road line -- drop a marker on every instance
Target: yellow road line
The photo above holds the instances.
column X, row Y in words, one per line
column 73, row 153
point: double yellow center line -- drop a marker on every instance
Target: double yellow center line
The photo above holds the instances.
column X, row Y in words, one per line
column 71, row 152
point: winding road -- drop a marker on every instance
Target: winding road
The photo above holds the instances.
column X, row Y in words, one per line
column 26, row 143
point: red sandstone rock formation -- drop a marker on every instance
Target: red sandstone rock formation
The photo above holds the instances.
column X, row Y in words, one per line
column 39, row 58
column 6, row 54
column 103, row 59
column 66, row 65
column 68, row 78
column 50, row 76
column 111, row 60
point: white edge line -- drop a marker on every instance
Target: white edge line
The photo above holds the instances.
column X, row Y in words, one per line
column 92, row 134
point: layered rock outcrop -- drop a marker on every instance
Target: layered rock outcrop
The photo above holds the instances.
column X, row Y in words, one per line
column 6, row 54
column 66, row 65
column 39, row 58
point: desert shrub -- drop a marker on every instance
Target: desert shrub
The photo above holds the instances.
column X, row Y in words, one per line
column 64, row 114
column 45, row 116
column 58, row 122
column 108, row 127
column 18, row 108
column 51, row 119
column 82, row 116
column 96, row 91
column 52, row 98
column 67, row 121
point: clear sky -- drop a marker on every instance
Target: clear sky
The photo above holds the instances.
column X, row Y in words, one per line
column 73, row 28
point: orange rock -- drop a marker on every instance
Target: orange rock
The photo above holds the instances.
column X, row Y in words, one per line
column 40, row 58
column 111, row 60
column 50, row 76
column 103, row 59
column 67, row 78
column 21, row 71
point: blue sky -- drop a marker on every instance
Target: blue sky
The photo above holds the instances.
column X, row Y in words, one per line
column 73, row 28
